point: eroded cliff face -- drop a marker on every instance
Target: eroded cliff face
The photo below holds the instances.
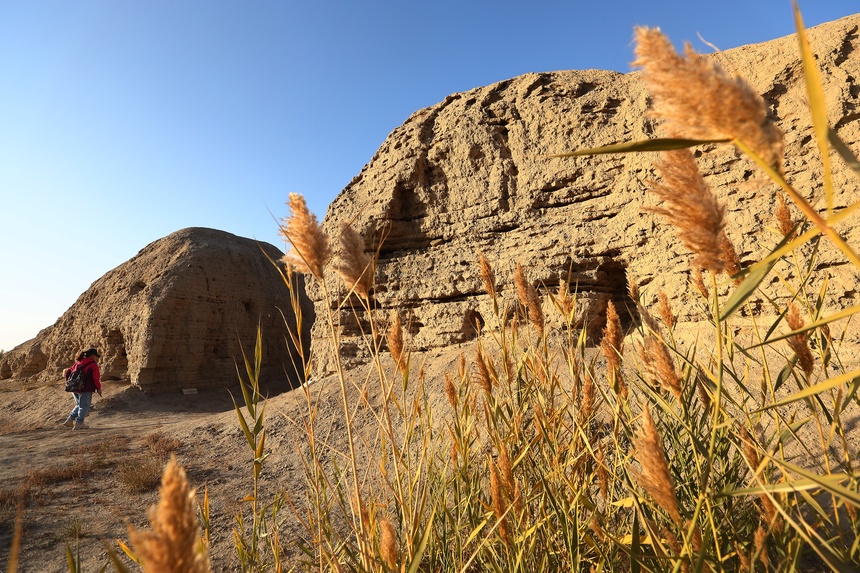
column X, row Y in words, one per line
column 174, row 316
column 472, row 174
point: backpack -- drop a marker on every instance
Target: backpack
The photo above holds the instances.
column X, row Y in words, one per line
column 76, row 380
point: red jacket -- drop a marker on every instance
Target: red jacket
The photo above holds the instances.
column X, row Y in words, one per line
column 92, row 375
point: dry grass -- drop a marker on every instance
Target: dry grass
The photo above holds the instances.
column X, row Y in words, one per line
column 41, row 479
column 140, row 474
column 161, row 445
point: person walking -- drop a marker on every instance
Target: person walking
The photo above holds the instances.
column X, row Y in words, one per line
column 84, row 398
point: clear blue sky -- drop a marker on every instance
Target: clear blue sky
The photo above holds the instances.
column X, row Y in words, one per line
column 123, row 121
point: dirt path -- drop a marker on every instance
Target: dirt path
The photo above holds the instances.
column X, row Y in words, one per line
column 78, row 481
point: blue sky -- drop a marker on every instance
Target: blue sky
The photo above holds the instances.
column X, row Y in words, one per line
column 123, row 121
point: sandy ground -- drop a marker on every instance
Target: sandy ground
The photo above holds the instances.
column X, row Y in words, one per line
column 212, row 449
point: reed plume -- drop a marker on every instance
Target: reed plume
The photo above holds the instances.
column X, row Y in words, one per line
column 655, row 477
column 612, row 346
column 760, row 539
column 675, row 545
column 695, row 99
column 522, row 285
column 485, row 381
column 602, row 472
column 507, row 473
column 354, row 265
column 746, row 565
column 451, row 392
column 852, row 511
column 529, row 299
column 388, row 549
column 596, row 529
column 487, row 275
column 174, row 544
column 506, row 476
column 699, row 283
column 691, row 207
column 799, row 343
column 566, row 302
column 730, row 258
column 500, row 504
column 310, row 251
column 586, row 406
column 395, row 342
column 749, row 450
column 658, row 367
column 633, row 289
column 664, row 307
column 359, row 508
column 784, row 221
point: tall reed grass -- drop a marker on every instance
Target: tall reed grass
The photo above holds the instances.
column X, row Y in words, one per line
column 539, row 452
column 646, row 454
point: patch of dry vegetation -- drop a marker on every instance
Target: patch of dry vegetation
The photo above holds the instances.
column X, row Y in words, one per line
column 142, row 472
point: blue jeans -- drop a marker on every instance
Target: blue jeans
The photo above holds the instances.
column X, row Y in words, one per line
column 83, row 401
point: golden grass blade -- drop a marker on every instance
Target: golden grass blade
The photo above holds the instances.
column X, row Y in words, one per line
column 628, row 501
column 815, row 389
column 660, row 144
column 790, row 431
column 70, row 561
column 205, row 519
column 118, row 565
column 823, row 225
column 844, row 151
column 422, row 546
column 244, row 424
column 636, row 543
column 797, row 485
column 820, row 511
column 15, row 549
column 749, row 285
column 245, row 395
column 261, row 446
column 817, row 105
column 811, row 326
column 823, row 482
column 786, row 248
column 629, row 538
column 127, row 550
column 745, row 290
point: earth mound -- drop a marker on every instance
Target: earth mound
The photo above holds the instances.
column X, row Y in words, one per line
column 177, row 315
column 474, row 173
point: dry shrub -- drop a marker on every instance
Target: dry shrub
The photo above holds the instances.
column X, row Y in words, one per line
column 141, row 474
column 10, row 499
column 161, row 445
column 40, row 479
column 103, row 453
